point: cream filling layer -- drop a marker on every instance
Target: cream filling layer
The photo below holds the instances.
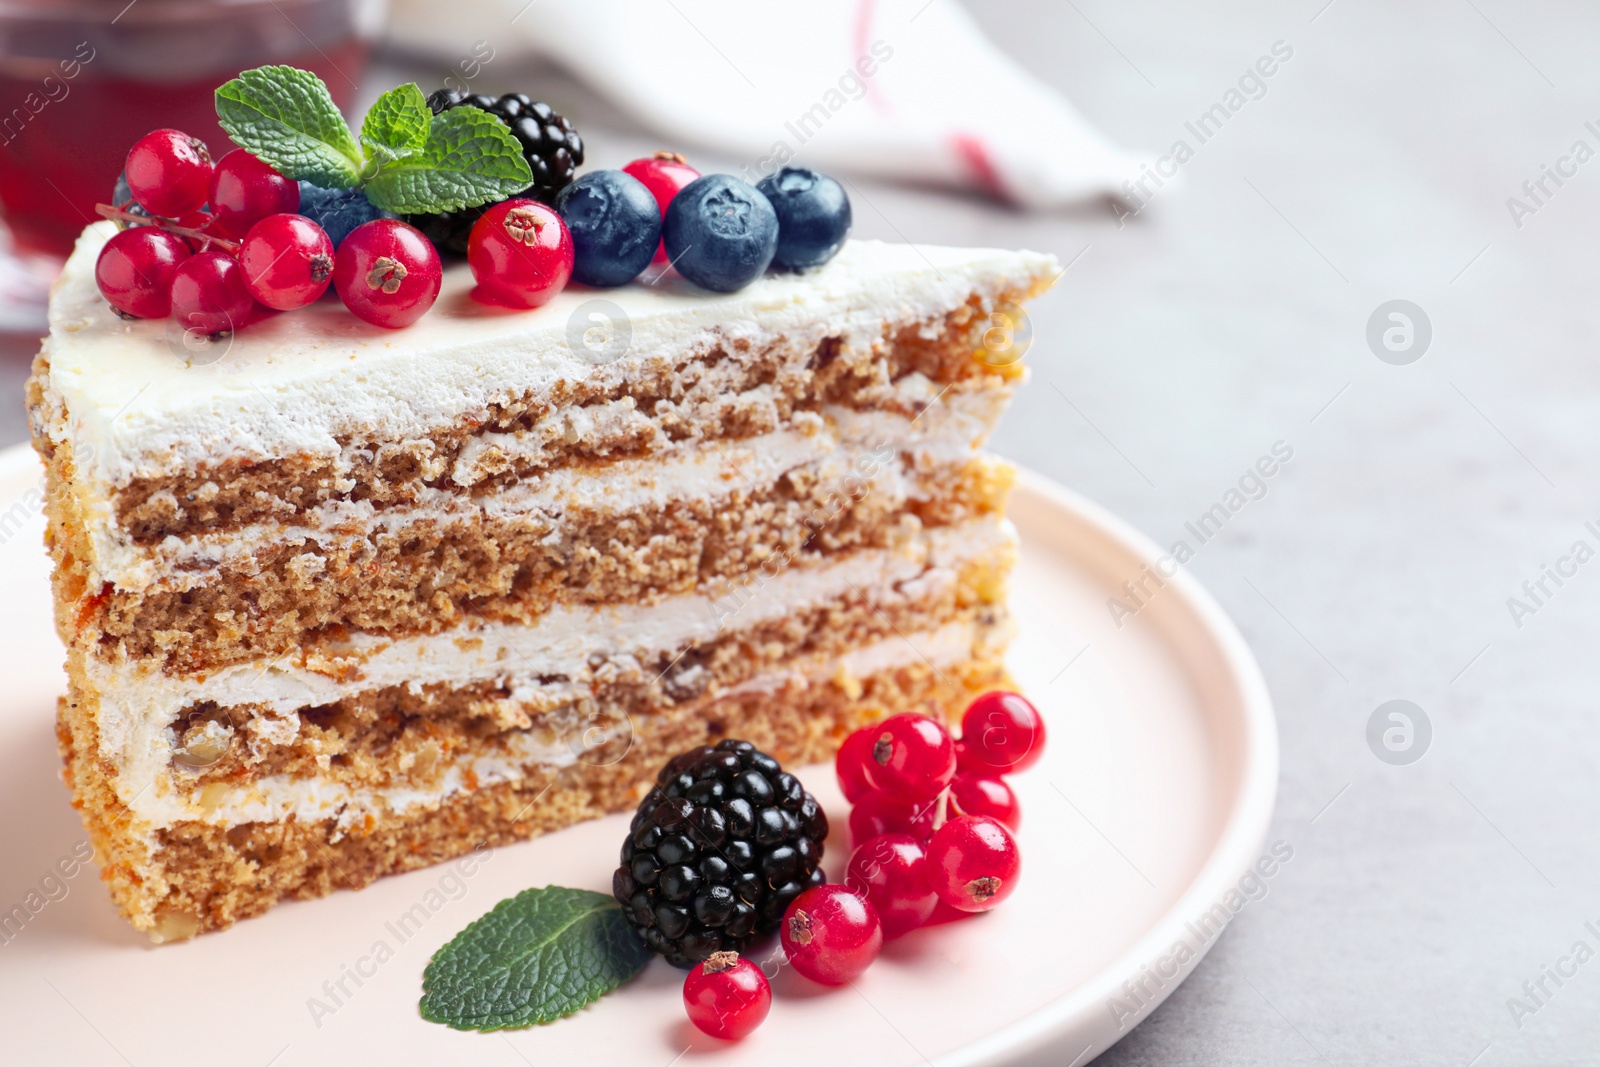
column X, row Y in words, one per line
column 555, row 660
column 840, row 443
column 280, row 797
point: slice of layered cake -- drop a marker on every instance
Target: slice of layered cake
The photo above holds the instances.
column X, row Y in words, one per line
column 340, row 601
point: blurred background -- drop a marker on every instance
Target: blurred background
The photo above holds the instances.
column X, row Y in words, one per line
column 1380, row 255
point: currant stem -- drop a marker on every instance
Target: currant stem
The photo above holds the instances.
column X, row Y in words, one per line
column 109, row 211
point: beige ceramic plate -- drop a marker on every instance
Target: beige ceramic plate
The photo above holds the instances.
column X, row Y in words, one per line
column 1149, row 806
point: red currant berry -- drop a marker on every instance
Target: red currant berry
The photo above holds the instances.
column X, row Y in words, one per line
column 520, row 253
column 169, row 173
column 135, row 271
column 209, row 295
column 973, row 862
column 387, row 273
column 891, row 871
column 831, row 934
column 985, row 794
column 850, row 765
column 878, row 813
column 287, row 261
column 663, row 174
column 726, row 996
column 1001, row 732
column 912, row 757
column 245, row 190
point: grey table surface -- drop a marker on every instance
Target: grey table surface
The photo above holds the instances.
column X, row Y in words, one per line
column 1232, row 314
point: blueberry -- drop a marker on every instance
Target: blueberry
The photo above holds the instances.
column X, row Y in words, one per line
column 813, row 216
column 720, row 233
column 122, row 195
column 337, row 211
column 615, row 226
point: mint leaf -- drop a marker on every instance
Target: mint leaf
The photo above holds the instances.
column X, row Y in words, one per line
column 469, row 158
column 538, row 956
column 396, row 125
column 286, row 117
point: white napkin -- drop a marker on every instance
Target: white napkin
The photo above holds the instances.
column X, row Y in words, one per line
column 908, row 90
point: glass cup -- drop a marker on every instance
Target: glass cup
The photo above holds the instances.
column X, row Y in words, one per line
column 81, row 80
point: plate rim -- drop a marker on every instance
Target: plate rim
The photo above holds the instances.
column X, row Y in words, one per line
column 1238, row 843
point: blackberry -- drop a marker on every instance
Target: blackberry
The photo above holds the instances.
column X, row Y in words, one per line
column 549, row 142
column 718, row 850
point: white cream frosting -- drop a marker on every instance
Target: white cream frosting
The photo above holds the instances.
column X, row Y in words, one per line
column 138, row 705
column 147, row 404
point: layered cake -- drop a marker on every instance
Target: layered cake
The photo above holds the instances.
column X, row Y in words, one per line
column 340, row 601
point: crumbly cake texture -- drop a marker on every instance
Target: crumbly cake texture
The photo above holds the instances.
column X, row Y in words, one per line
column 340, row 602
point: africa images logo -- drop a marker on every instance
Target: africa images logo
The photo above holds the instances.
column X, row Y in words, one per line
column 1399, row 332
column 1399, row 732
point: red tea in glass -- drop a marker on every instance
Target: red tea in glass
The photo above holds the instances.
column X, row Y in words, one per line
column 81, row 80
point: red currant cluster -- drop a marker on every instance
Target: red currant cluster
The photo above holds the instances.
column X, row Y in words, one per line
column 932, row 826
column 933, row 816
column 219, row 245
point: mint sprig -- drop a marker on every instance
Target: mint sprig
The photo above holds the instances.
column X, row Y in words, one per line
column 452, row 169
column 407, row 159
column 396, row 125
column 286, row 117
column 534, row 958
